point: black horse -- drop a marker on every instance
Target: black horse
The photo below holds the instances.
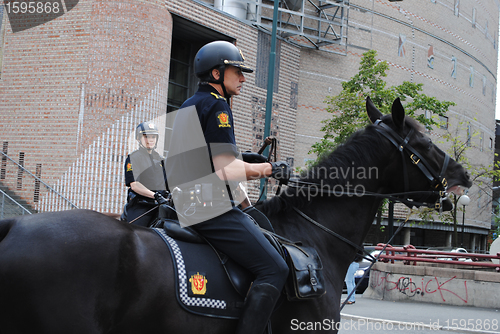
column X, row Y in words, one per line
column 82, row 272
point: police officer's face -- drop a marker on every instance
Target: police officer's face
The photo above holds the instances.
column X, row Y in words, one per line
column 233, row 80
column 149, row 141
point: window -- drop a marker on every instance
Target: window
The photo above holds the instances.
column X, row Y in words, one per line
column 3, row 168
column 179, row 77
column 262, row 70
column 36, row 193
column 20, row 171
column 443, row 122
column 187, row 38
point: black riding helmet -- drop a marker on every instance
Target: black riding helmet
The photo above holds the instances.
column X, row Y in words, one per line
column 146, row 128
column 216, row 55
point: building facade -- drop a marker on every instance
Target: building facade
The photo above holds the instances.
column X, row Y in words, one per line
column 74, row 88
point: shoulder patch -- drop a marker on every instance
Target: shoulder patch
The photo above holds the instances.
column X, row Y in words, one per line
column 129, row 167
column 223, row 119
column 218, row 97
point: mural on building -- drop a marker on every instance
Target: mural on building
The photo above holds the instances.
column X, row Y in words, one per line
column 430, row 57
column 401, row 47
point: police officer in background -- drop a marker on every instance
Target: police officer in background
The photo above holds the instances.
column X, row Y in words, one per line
column 145, row 177
column 220, row 66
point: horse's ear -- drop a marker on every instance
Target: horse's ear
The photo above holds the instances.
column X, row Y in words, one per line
column 398, row 113
column 373, row 113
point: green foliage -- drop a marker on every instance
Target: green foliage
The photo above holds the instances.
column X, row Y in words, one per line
column 348, row 108
column 481, row 176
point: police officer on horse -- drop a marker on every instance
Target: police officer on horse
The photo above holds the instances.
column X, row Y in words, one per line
column 220, row 66
column 145, row 176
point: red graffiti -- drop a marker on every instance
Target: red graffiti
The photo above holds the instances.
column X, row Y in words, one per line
column 411, row 288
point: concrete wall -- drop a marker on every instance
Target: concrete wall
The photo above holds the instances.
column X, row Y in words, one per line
column 434, row 285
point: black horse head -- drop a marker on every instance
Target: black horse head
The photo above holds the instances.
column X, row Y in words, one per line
column 419, row 170
column 390, row 158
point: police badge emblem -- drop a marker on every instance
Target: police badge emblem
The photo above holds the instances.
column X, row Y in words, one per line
column 198, row 284
column 223, row 119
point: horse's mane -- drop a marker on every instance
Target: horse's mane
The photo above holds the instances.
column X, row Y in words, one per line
column 336, row 167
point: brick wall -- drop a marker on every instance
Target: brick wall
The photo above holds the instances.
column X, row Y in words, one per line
column 72, row 90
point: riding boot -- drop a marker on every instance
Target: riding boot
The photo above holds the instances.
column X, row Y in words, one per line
column 258, row 308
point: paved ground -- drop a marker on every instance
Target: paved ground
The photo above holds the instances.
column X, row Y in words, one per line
column 370, row 316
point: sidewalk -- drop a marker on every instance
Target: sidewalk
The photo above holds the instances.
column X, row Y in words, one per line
column 379, row 316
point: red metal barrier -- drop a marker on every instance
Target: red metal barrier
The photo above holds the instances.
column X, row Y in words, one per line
column 410, row 256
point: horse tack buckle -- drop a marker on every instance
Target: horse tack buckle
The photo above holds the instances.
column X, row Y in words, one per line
column 444, row 182
column 414, row 159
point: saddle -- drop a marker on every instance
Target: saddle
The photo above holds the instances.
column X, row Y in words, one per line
column 210, row 283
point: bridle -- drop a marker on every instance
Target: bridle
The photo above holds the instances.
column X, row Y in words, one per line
column 436, row 181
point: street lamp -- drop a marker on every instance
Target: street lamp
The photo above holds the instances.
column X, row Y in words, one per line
column 464, row 200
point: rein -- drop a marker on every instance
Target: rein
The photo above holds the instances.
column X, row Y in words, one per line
column 298, row 184
column 437, row 182
column 366, row 255
column 145, row 213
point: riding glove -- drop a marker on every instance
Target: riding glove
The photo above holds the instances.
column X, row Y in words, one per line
column 252, row 157
column 281, row 171
column 160, row 199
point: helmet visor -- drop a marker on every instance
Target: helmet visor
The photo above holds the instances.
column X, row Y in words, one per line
column 239, row 64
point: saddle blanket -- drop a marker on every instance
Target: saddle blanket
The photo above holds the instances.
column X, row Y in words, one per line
column 202, row 285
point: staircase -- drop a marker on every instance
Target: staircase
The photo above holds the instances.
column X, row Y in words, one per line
column 11, row 205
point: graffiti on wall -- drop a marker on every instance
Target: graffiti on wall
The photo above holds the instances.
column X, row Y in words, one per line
column 446, row 288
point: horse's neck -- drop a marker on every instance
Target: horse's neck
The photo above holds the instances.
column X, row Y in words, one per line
column 350, row 217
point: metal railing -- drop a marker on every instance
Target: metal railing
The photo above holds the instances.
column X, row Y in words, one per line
column 28, row 173
column 409, row 255
column 9, row 207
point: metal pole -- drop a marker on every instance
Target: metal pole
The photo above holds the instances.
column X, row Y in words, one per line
column 270, row 86
column 463, row 226
column 390, row 219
